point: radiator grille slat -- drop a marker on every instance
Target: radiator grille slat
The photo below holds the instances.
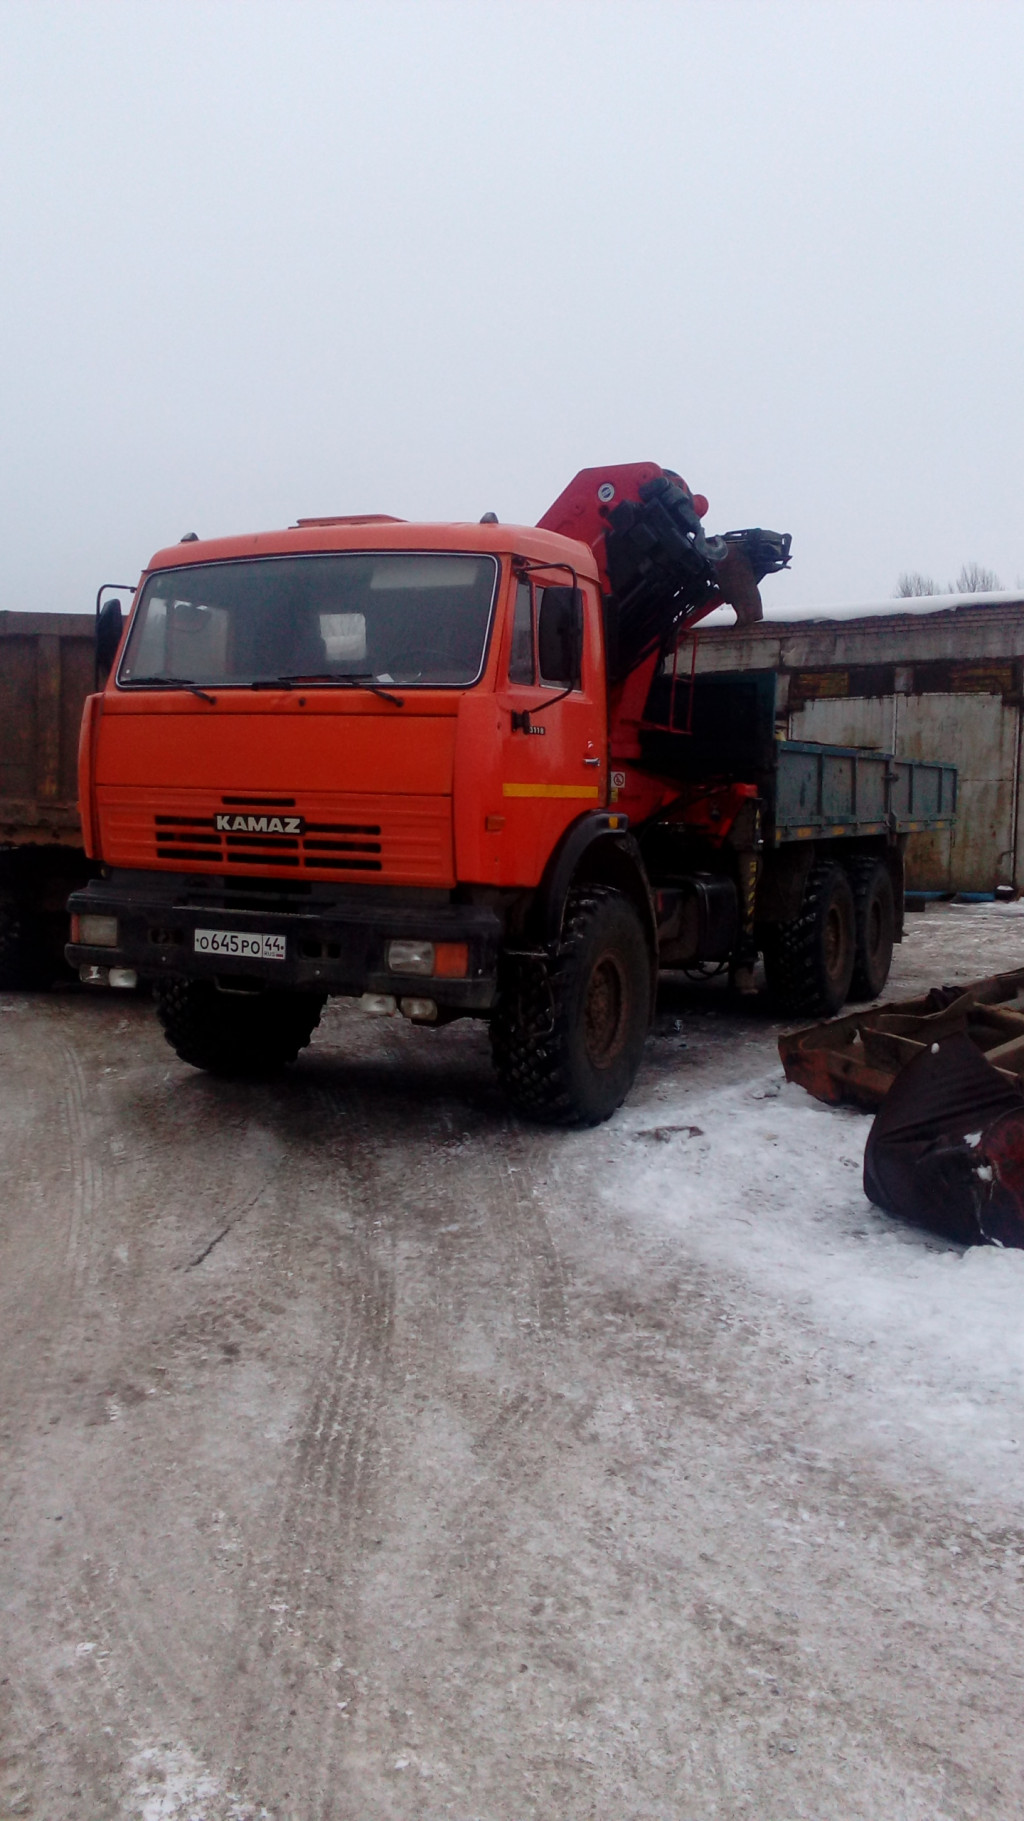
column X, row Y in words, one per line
column 179, row 837
column 404, row 839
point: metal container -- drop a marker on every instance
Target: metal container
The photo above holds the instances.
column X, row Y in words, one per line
column 47, row 668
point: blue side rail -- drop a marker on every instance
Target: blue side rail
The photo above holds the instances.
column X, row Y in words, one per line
column 831, row 792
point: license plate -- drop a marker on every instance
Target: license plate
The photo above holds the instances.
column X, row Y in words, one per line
column 242, row 943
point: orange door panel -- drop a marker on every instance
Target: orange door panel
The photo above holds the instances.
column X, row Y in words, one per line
column 531, row 758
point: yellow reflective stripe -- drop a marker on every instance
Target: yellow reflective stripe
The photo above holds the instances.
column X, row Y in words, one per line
column 587, row 793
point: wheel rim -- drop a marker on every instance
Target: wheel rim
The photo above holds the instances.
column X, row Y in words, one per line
column 605, row 1009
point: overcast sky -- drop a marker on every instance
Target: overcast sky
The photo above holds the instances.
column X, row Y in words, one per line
column 266, row 260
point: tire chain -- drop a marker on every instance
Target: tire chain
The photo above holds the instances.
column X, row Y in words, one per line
column 528, row 1023
column 793, row 969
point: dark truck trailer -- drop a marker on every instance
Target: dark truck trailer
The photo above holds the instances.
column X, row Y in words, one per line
column 47, row 668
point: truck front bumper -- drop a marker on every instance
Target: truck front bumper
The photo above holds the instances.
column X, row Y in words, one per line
column 335, row 944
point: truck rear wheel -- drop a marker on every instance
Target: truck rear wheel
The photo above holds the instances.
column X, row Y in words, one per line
column 567, row 1036
column 249, row 1035
column 875, row 924
column 809, row 962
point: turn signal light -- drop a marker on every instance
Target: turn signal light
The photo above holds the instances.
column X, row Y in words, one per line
column 451, row 960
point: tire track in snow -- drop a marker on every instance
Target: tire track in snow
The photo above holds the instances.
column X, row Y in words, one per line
column 300, row 1620
column 56, row 1149
column 330, row 1493
column 59, row 1150
column 66, row 1197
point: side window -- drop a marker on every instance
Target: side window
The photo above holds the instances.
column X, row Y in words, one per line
column 547, row 636
column 520, row 664
column 560, row 636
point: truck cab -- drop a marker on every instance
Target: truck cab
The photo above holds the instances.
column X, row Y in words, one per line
column 391, row 701
column 343, row 759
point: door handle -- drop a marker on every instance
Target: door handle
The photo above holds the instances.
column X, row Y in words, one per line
column 591, row 761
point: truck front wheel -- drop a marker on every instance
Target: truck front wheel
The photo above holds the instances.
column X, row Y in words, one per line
column 567, row 1035
column 809, row 962
column 242, row 1034
column 875, row 915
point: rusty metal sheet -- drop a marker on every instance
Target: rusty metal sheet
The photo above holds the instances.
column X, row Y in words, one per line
column 942, row 676
column 856, row 1058
column 983, row 732
column 858, row 680
column 946, row 1147
column 46, row 672
column 843, row 720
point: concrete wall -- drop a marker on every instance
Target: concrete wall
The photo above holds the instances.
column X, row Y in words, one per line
column 943, row 685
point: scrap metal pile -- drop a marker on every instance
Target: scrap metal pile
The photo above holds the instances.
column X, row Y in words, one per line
column 857, row 1058
column 945, row 1076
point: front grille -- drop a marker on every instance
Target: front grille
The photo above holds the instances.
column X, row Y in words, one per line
column 338, row 847
column 386, row 838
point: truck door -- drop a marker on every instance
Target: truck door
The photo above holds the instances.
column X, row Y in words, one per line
column 552, row 722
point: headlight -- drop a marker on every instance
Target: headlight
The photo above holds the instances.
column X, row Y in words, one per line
column 93, row 931
column 445, row 960
column 411, row 957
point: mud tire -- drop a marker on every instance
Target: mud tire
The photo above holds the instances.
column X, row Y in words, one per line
column 809, row 962
column 567, row 1035
column 248, row 1036
column 875, row 925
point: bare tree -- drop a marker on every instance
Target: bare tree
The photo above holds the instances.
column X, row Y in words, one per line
column 912, row 583
column 974, row 578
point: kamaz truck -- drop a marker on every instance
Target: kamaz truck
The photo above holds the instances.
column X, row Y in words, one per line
column 460, row 770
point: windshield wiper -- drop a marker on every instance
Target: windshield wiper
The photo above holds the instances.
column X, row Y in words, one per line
column 177, row 683
column 348, row 678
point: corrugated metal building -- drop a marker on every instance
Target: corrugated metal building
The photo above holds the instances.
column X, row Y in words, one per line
column 938, row 678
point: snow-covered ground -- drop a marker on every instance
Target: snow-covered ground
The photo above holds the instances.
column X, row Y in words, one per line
column 765, row 1184
column 369, row 1452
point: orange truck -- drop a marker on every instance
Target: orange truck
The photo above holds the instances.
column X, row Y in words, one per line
column 467, row 770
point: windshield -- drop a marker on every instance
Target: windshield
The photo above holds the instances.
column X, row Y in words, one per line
column 393, row 617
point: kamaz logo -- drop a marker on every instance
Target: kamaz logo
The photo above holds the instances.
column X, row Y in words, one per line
column 259, row 825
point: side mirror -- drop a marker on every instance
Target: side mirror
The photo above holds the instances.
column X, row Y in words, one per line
column 109, row 627
column 560, row 636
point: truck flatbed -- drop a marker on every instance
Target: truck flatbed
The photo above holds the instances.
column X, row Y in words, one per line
column 725, row 724
column 834, row 792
